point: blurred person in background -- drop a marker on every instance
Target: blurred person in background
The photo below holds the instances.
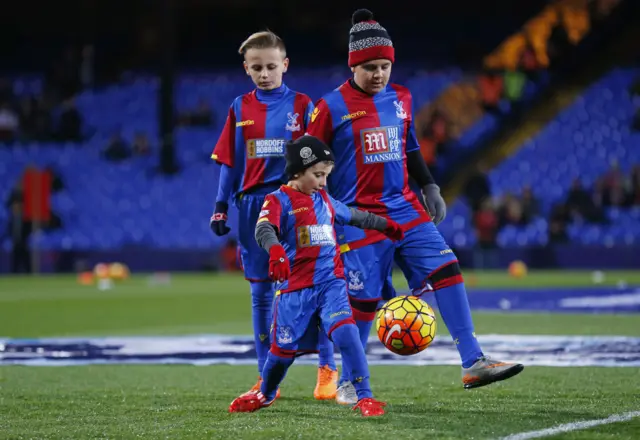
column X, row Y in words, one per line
column 43, row 119
column 490, row 86
column 529, row 203
column 229, row 256
column 28, row 119
column 615, row 191
column 57, row 184
column 202, row 115
column 617, row 195
column 18, row 231
column 558, row 224
column 510, row 211
column 70, row 125
column 598, row 193
column 141, row 145
column 117, row 149
column 581, row 206
column 485, row 222
column 477, row 188
column 427, row 146
column 9, row 123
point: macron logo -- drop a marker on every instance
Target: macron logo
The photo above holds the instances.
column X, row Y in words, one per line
column 354, row 115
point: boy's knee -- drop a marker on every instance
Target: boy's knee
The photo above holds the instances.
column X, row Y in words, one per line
column 345, row 335
column 282, row 354
column 276, row 357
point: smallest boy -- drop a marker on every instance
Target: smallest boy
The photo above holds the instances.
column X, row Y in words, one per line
column 296, row 228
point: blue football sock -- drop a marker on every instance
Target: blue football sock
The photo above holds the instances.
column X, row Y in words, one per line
column 346, row 338
column 363, row 327
column 345, row 374
column 456, row 314
column 261, row 301
column 275, row 368
column 325, row 351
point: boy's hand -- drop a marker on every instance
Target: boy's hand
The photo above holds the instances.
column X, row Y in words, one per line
column 393, row 231
column 218, row 222
column 279, row 269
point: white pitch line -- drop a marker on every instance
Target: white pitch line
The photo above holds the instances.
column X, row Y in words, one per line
column 574, row 426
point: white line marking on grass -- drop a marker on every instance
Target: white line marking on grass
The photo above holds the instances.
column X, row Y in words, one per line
column 574, row 426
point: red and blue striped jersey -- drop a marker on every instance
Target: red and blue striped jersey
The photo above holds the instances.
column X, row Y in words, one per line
column 370, row 137
column 306, row 231
column 253, row 139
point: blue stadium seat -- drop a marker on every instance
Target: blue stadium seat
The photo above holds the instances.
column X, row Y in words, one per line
column 108, row 205
column 580, row 143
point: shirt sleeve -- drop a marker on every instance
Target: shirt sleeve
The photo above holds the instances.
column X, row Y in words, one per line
column 320, row 122
column 418, row 169
column 412, row 138
column 343, row 213
column 266, row 235
column 307, row 114
column 271, row 211
column 224, row 151
column 367, row 220
column 227, row 178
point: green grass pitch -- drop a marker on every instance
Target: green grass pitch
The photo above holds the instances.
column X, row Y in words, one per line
column 162, row 401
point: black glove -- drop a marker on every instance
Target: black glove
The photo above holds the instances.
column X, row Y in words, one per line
column 435, row 203
column 218, row 221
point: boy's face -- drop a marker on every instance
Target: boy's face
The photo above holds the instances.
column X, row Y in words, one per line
column 266, row 67
column 313, row 179
column 372, row 76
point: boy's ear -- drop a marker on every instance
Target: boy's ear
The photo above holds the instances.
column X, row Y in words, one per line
column 246, row 67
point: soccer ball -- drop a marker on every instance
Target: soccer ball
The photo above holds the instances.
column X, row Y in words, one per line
column 406, row 325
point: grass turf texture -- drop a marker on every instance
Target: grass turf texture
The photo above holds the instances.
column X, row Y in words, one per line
column 162, row 401
column 59, row 306
column 191, row 402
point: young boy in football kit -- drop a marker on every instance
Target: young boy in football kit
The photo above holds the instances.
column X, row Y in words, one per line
column 250, row 152
column 296, row 228
column 368, row 123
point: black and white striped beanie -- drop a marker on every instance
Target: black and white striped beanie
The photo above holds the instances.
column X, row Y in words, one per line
column 368, row 40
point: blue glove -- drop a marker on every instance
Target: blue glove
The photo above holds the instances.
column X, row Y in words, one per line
column 435, row 203
column 218, row 221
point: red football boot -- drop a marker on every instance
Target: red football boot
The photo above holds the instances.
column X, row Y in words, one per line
column 370, row 407
column 249, row 402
